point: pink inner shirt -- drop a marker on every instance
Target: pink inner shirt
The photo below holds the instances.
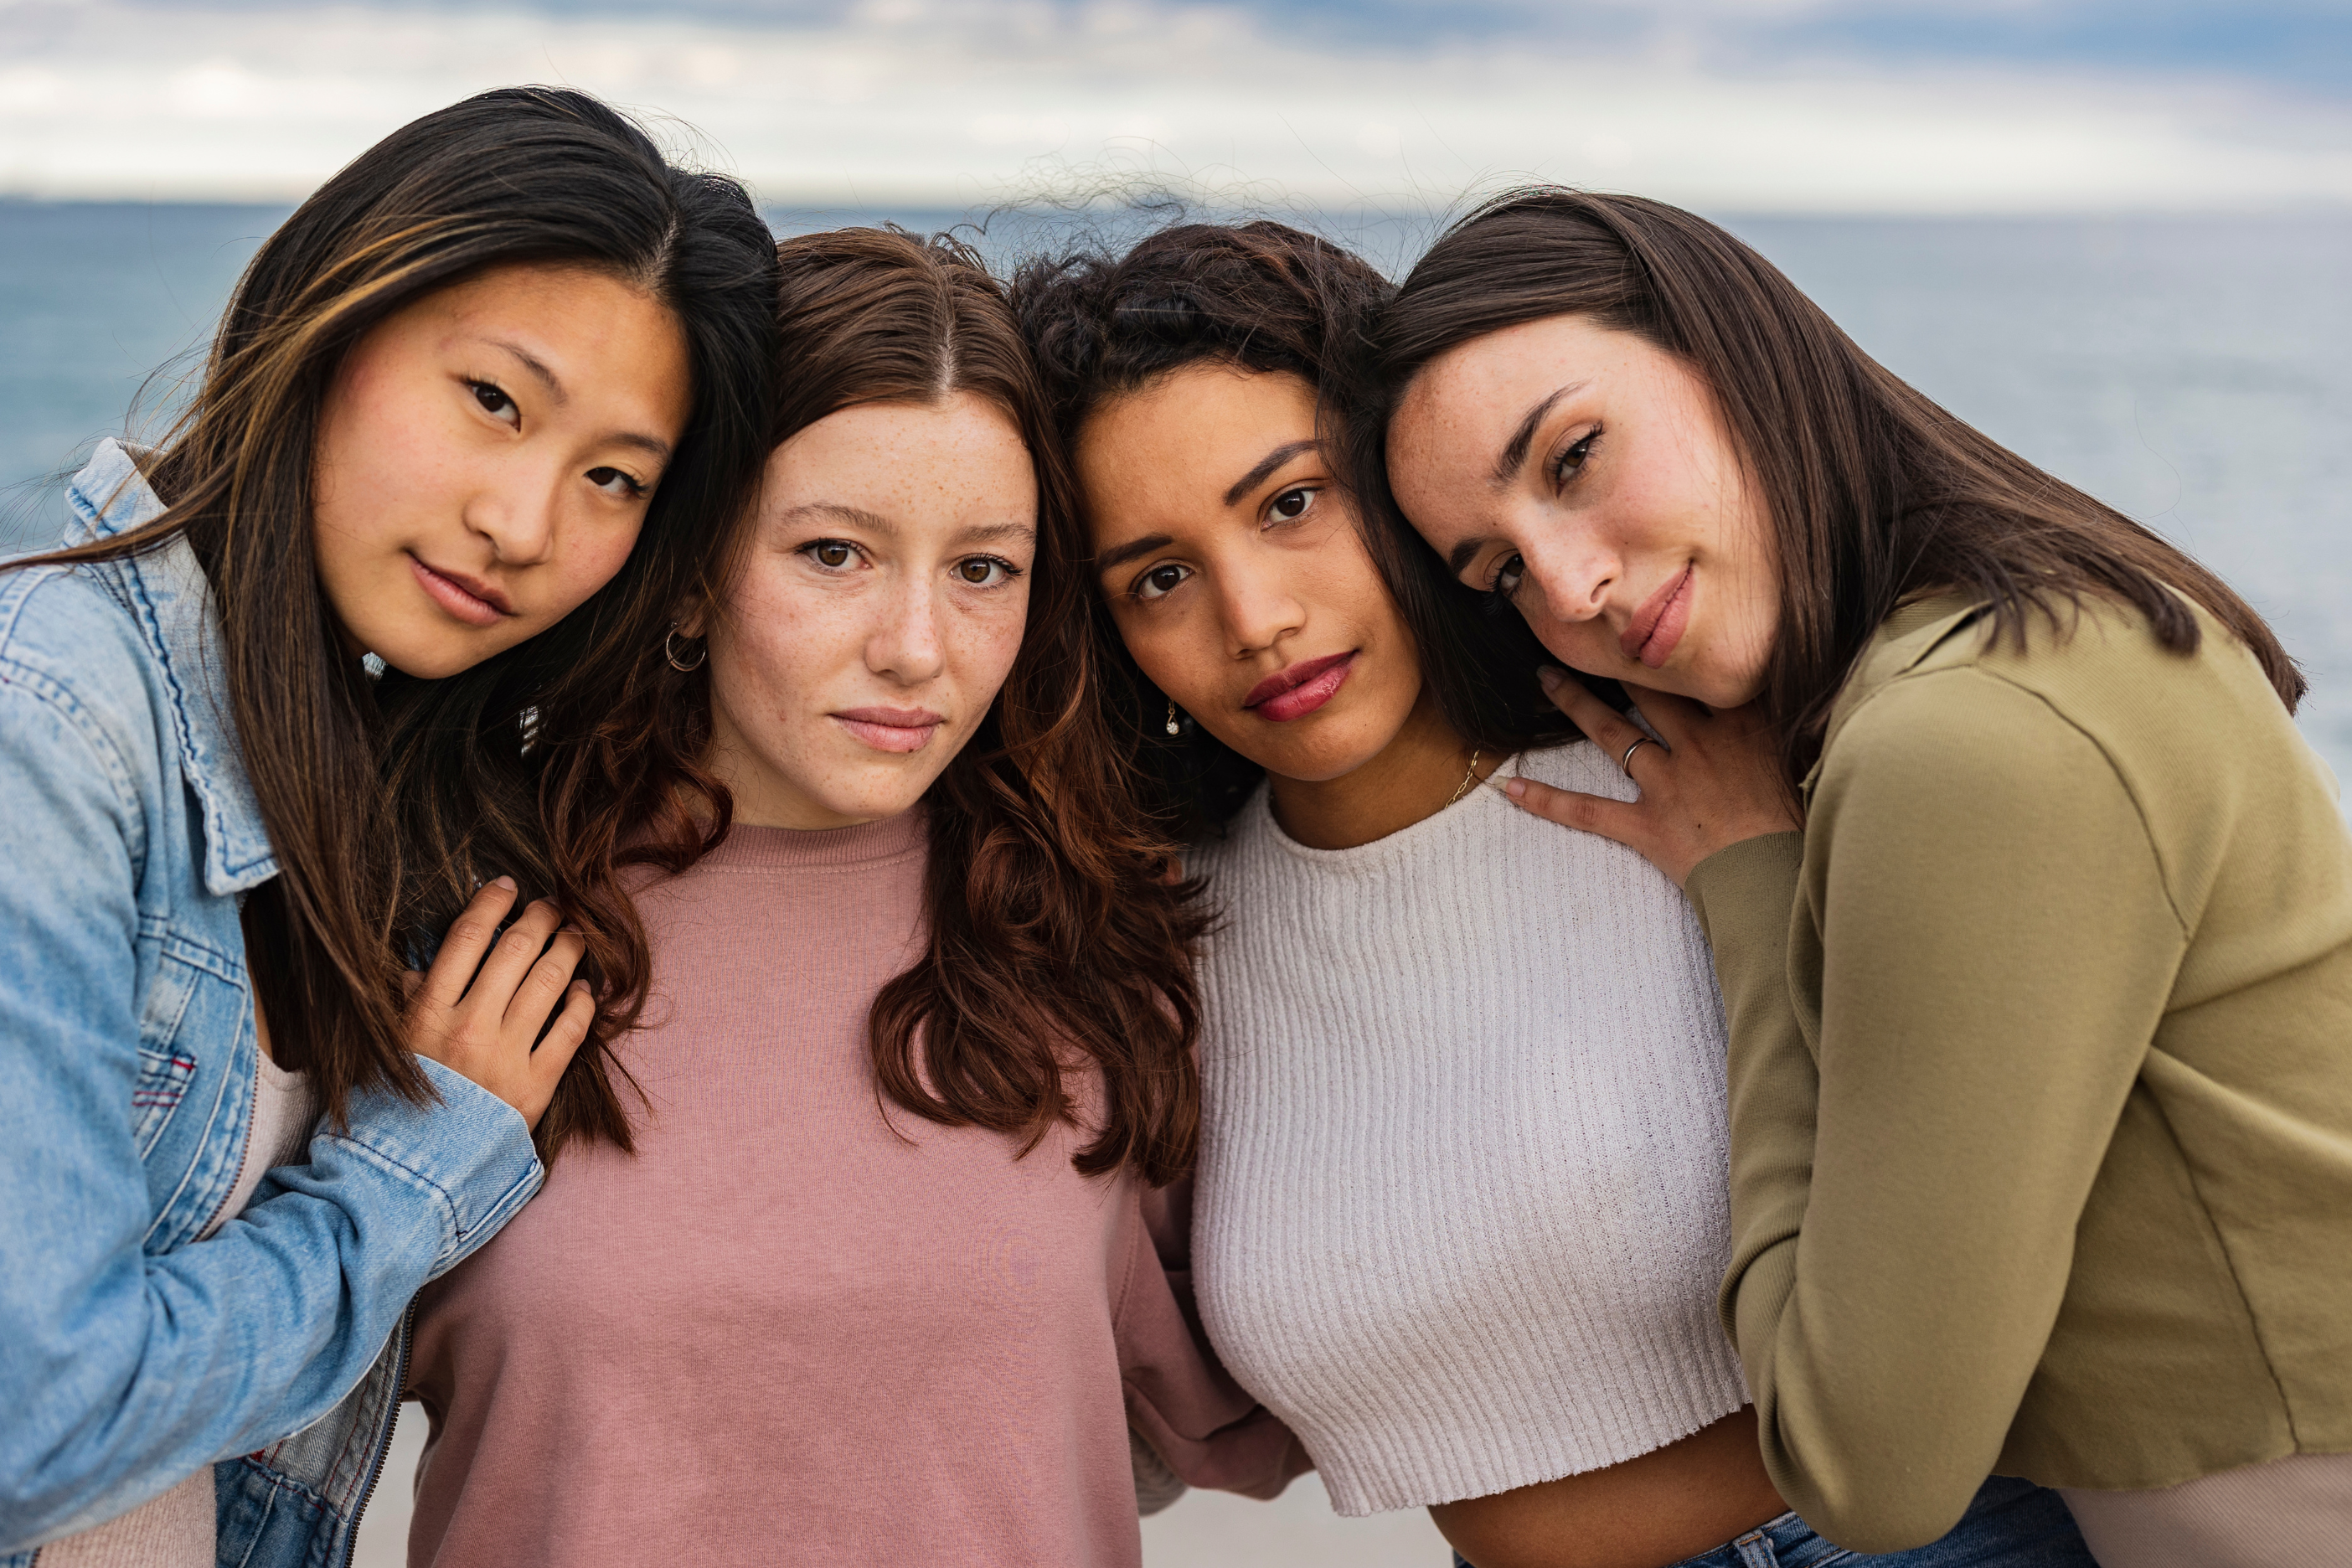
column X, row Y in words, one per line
column 798, row 1325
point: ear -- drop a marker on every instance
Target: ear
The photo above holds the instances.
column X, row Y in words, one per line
column 693, row 618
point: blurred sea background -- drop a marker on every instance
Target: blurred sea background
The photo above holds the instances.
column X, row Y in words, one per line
column 2115, row 235
column 2193, row 371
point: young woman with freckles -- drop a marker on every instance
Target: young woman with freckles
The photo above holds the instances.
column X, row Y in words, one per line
column 2033, row 910
column 262, row 738
column 1462, row 1206
column 881, row 1282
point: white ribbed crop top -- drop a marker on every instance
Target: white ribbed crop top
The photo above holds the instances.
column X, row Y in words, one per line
column 1462, row 1204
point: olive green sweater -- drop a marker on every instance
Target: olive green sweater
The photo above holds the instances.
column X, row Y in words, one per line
column 2041, row 1079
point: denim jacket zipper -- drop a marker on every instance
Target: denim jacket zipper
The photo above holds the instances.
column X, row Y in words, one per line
column 244, row 1158
column 383, row 1439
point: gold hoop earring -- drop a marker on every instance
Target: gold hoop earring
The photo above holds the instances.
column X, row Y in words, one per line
column 1174, row 728
column 669, row 651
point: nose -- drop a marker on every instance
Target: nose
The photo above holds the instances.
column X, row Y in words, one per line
column 1258, row 611
column 1572, row 573
column 516, row 511
column 905, row 644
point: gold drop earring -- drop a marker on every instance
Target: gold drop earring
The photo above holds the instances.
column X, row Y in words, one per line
column 1173, row 727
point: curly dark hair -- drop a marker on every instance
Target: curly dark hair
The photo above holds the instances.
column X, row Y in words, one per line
column 1268, row 297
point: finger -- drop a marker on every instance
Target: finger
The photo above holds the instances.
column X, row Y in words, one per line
column 564, row 1038
column 1621, row 820
column 1600, row 723
column 511, row 959
column 410, row 984
column 1671, row 715
column 469, row 937
column 542, row 989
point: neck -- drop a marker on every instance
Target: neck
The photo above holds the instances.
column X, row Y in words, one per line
column 1415, row 776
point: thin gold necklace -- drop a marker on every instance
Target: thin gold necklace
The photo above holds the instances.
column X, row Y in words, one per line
column 1469, row 777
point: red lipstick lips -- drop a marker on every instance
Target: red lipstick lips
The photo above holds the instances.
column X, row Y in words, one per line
column 1295, row 692
column 1659, row 624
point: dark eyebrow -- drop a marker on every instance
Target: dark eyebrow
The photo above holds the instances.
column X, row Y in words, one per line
column 532, row 364
column 1515, row 451
column 638, row 439
column 1464, row 553
column 1265, row 466
column 1130, row 549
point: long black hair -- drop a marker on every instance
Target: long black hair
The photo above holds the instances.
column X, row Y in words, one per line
column 1268, row 297
column 386, row 800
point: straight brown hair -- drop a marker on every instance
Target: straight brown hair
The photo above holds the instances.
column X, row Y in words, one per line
column 1054, row 937
column 389, row 800
column 1874, row 493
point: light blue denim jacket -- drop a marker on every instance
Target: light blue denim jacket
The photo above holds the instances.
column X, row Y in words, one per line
column 132, row 1353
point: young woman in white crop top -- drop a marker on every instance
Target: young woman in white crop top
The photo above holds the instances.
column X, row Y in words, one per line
column 1462, row 1208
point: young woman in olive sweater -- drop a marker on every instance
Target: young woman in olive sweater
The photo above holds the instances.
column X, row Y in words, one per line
column 2042, row 1025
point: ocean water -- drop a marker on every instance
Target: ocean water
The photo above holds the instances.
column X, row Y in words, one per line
column 2196, row 373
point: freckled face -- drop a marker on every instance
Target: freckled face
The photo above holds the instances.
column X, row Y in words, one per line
column 485, row 457
column 1235, row 575
column 1587, row 476
column 878, row 608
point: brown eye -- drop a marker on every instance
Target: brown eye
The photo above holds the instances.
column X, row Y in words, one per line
column 1160, row 579
column 495, row 401
column 986, row 571
column 1291, row 505
column 831, row 553
column 1570, row 463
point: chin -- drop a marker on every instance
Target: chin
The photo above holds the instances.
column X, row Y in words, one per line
column 876, row 799
column 1319, row 768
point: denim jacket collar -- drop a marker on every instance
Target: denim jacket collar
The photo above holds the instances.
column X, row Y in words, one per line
column 174, row 608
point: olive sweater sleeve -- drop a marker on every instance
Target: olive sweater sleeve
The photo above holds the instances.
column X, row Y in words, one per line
column 1914, row 1142
column 1743, row 896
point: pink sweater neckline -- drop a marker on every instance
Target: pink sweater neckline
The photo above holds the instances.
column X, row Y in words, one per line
column 794, row 848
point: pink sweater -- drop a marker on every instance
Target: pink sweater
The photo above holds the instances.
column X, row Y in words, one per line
column 798, row 1324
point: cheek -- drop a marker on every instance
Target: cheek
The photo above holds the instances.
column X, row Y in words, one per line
column 1176, row 658
column 588, row 559
column 1589, row 645
column 989, row 640
column 374, row 438
column 764, row 663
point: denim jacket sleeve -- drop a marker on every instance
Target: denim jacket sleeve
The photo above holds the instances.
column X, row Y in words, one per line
column 132, row 1355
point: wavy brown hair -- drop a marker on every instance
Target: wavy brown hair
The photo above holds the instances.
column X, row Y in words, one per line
column 1874, row 494
column 1055, row 939
column 389, row 800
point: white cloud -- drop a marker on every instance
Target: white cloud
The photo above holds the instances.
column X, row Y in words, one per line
column 919, row 102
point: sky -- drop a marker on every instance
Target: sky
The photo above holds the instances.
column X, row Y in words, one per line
column 1930, row 106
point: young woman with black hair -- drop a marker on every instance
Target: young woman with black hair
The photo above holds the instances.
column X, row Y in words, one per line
column 2032, row 910
column 1462, row 1206
column 266, row 728
column 883, row 1281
